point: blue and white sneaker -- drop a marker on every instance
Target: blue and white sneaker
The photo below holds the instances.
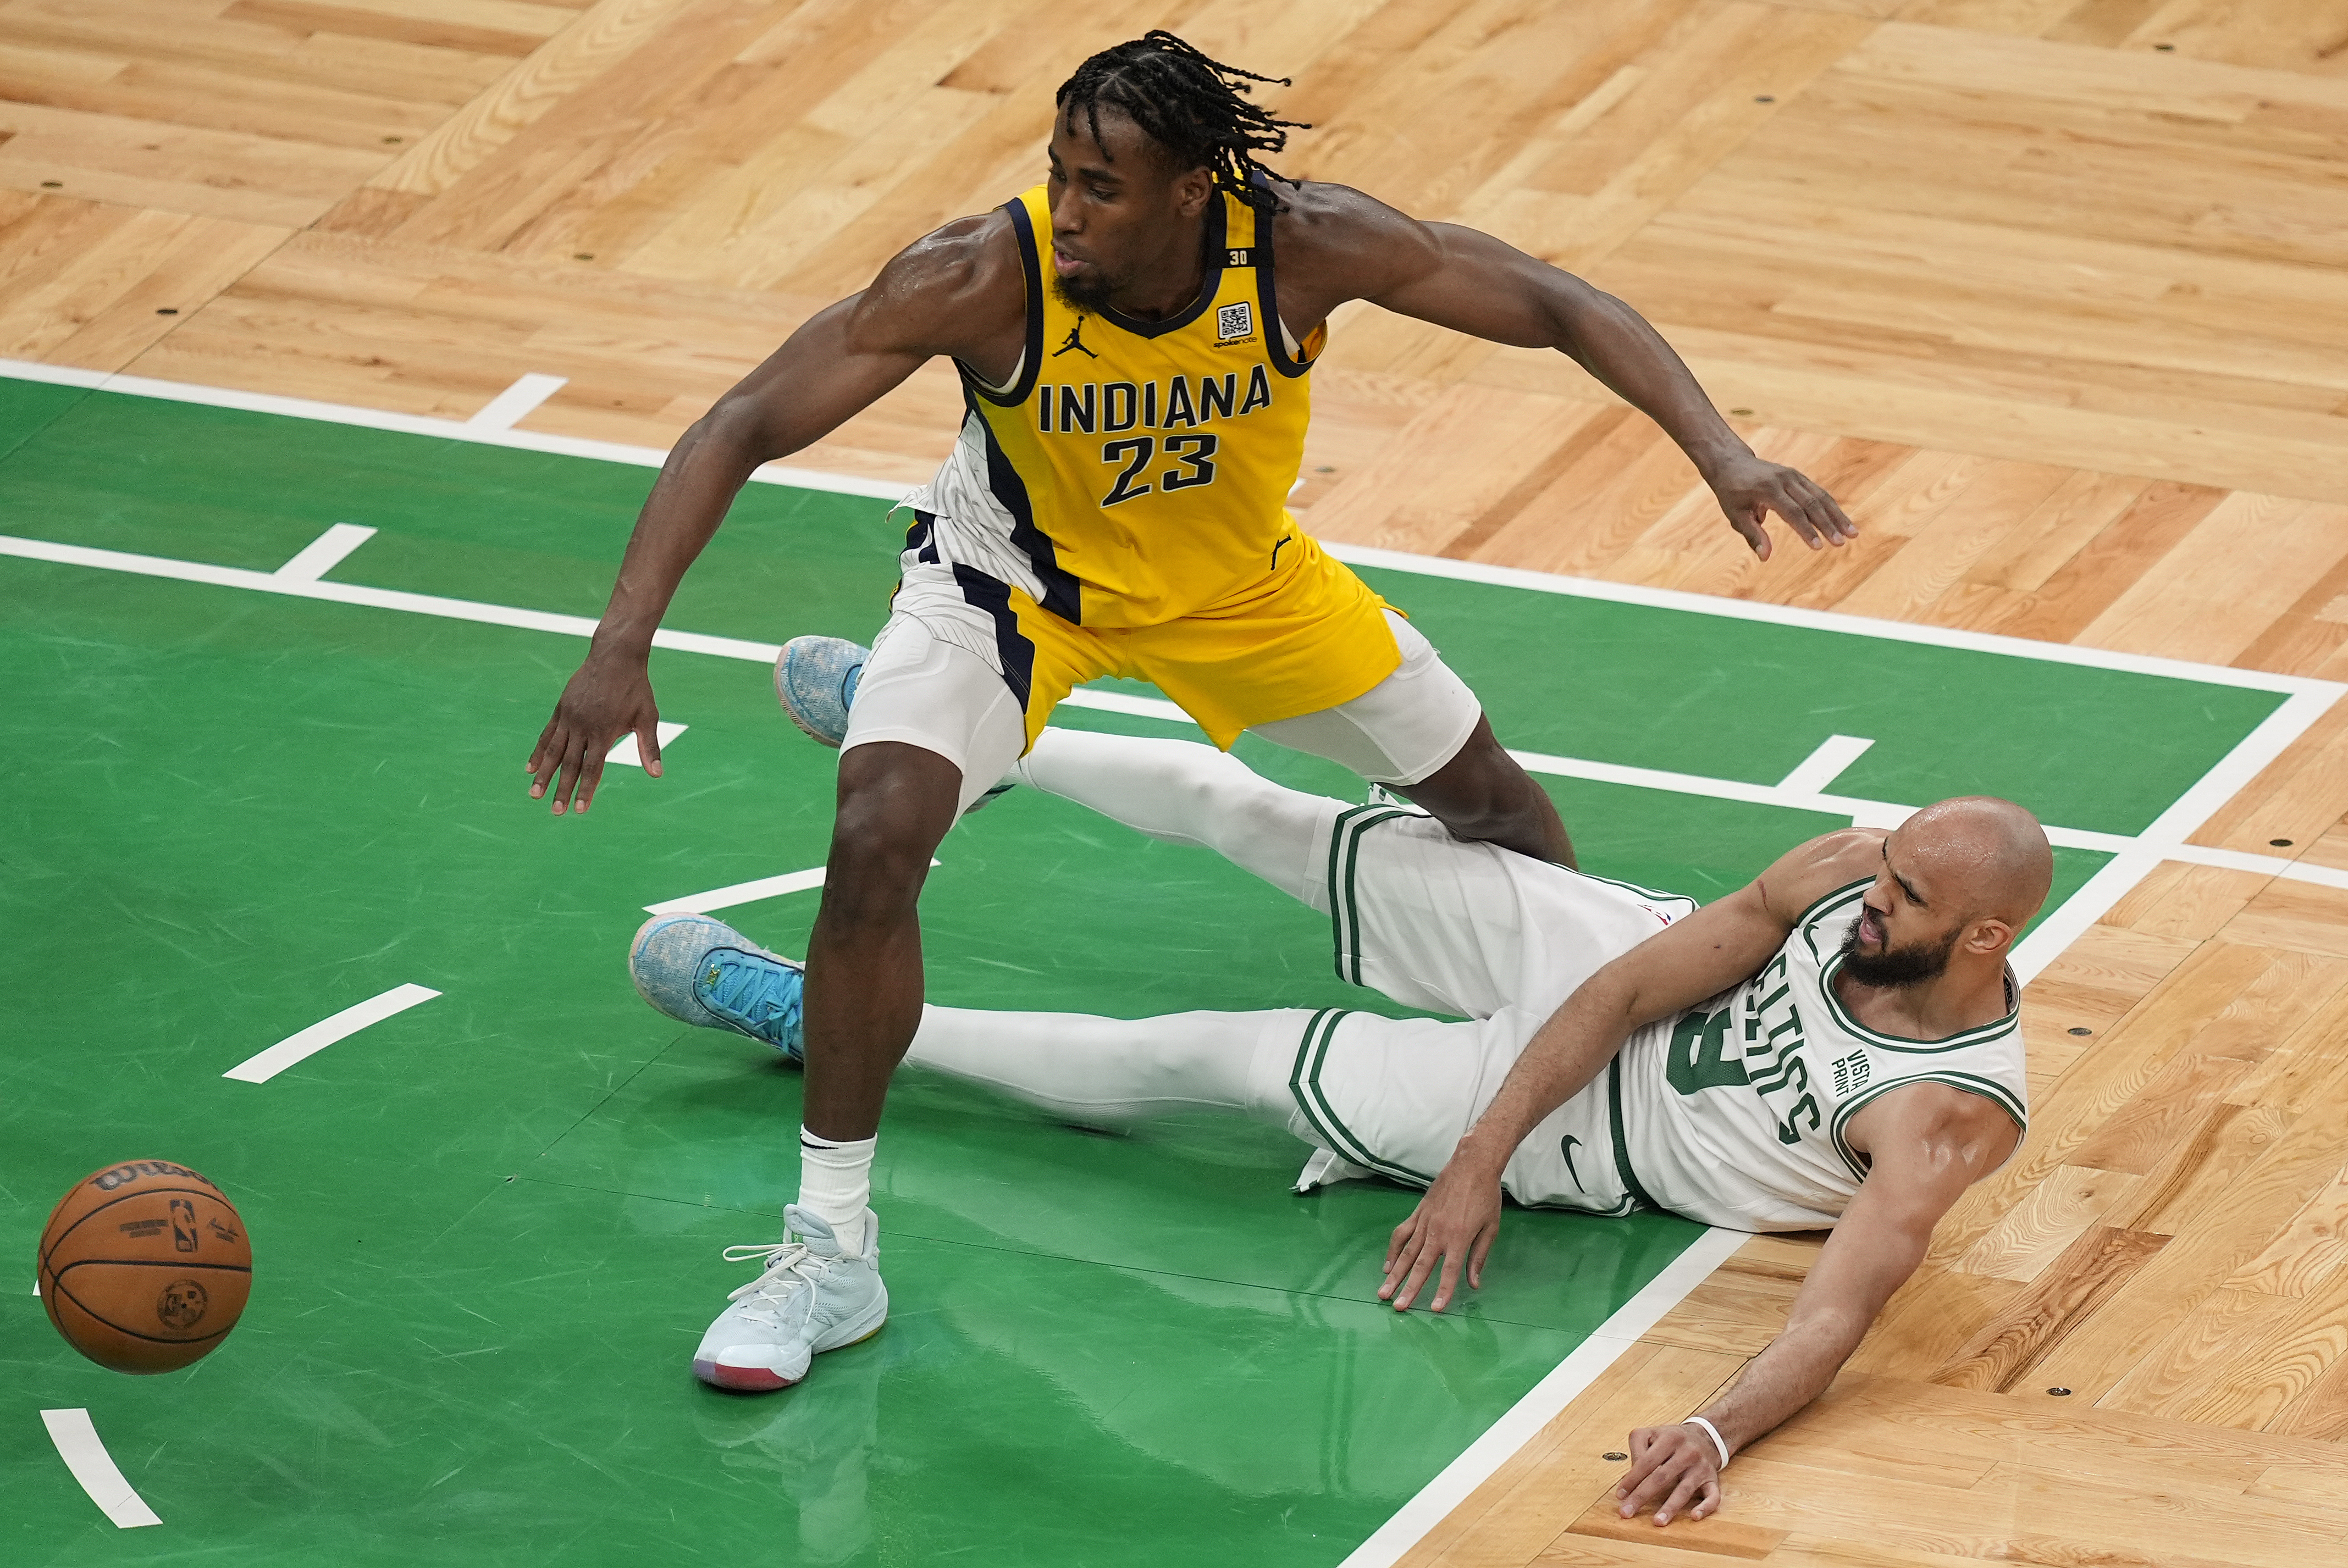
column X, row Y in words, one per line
column 809, row 1297
column 816, row 680
column 704, row 972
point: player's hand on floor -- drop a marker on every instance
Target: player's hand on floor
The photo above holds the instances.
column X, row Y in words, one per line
column 1454, row 1226
column 1673, row 1470
column 1752, row 487
column 609, row 696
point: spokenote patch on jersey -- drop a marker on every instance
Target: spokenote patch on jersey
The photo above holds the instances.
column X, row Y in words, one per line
column 1234, row 323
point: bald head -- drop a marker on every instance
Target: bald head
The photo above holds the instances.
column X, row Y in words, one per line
column 1978, row 856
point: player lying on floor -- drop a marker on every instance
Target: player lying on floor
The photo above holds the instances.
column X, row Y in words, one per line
column 1837, row 1045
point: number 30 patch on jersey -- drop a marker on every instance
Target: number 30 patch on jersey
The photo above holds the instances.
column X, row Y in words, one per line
column 1234, row 321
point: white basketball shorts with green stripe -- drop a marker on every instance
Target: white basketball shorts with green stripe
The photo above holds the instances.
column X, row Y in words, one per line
column 1477, row 932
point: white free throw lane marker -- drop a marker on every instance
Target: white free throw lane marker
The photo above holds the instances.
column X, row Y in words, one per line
column 1822, row 767
column 269, row 1063
column 629, row 754
column 512, row 407
column 325, row 553
column 92, row 1466
column 718, row 898
column 1564, row 1384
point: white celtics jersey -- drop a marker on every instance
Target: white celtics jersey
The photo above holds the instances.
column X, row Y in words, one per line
column 1736, row 1111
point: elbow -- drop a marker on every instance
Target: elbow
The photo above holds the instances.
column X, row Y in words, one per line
column 1581, row 313
column 1615, row 994
column 734, row 431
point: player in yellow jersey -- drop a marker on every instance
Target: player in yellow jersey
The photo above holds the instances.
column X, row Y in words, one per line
column 1135, row 338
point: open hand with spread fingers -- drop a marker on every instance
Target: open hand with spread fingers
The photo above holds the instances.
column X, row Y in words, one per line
column 1750, row 487
column 1676, row 1470
column 609, row 697
column 1454, row 1226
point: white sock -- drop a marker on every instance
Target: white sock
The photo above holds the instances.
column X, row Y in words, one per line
column 1185, row 792
column 1109, row 1070
column 836, row 1186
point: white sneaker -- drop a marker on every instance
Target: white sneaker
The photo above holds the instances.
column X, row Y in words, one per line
column 809, row 1299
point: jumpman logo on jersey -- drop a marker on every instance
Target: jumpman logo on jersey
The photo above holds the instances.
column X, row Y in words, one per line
column 1076, row 342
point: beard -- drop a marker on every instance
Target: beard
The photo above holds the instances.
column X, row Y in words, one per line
column 1087, row 291
column 1897, row 967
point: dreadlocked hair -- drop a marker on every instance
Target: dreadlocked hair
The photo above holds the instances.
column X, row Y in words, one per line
column 1189, row 105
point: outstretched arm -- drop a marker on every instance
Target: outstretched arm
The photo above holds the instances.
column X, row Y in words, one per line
column 1699, row 957
column 1929, row 1144
column 1460, row 278
column 959, row 292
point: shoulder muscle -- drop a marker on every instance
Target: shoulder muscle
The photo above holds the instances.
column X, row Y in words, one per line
column 959, row 289
column 1933, row 1136
column 1334, row 244
column 1808, row 872
column 1727, row 941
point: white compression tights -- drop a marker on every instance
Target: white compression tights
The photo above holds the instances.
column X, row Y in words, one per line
column 1186, row 793
column 1105, row 1070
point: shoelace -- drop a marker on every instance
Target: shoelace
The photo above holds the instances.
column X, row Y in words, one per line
column 745, row 987
column 785, row 1268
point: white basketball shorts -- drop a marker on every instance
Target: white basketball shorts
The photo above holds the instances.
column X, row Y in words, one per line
column 935, row 681
column 1469, row 930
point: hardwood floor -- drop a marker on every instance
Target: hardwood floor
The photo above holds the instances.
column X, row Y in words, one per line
column 2054, row 293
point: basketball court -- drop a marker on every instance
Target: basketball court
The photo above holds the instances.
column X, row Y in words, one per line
column 281, row 629
column 545, row 1170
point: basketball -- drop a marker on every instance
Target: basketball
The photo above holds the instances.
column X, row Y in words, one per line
column 145, row 1267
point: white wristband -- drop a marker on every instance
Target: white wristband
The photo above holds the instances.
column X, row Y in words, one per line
column 1713, row 1432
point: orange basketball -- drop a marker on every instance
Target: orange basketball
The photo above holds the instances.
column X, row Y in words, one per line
column 145, row 1267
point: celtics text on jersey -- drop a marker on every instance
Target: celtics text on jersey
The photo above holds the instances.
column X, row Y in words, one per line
column 1738, row 1111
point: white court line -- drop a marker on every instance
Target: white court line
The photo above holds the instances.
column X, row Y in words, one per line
column 1828, row 762
column 2307, row 699
column 1817, row 620
column 1354, row 555
column 1797, row 791
column 2304, row 702
column 514, row 405
column 424, row 424
column 79, row 1445
column 369, row 598
column 718, row 898
column 628, row 755
column 265, row 1065
column 325, row 553
column 1542, row 1404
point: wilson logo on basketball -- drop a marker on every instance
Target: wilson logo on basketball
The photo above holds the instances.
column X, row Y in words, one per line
column 123, row 1175
column 182, row 1304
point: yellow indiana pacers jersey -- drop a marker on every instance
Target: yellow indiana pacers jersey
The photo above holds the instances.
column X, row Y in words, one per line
column 1138, row 470
column 1120, row 506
